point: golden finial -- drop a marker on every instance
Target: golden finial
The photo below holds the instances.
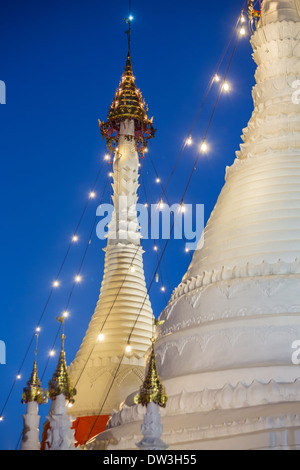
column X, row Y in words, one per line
column 152, row 389
column 128, row 32
column 61, row 384
column 128, row 103
column 33, row 390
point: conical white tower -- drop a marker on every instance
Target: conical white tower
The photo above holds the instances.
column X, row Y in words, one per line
column 123, row 310
column 225, row 349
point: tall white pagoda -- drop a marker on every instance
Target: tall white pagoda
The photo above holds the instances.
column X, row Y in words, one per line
column 225, row 349
column 123, row 310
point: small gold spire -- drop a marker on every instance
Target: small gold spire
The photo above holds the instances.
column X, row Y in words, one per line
column 152, row 389
column 61, row 384
column 34, row 391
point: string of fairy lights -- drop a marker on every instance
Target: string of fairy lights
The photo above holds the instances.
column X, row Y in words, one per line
column 55, row 284
column 155, row 247
column 77, row 278
column 224, row 87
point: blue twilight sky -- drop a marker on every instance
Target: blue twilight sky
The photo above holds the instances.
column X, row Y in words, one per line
column 61, row 62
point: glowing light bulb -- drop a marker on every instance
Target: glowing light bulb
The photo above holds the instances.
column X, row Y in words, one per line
column 78, row 278
column 110, row 174
column 187, row 250
column 189, row 141
column 204, row 147
column 1, row 418
column 66, row 314
column 51, row 353
column 182, row 207
column 155, row 248
column 226, row 86
column 217, row 78
column 100, row 337
column 242, row 32
column 55, row 283
column 157, row 180
column 75, row 238
column 163, row 289
column 18, row 376
column 243, row 19
column 128, row 348
column 161, row 204
column 70, row 405
column 146, row 205
column 132, row 269
column 38, row 329
column 130, row 18
column 92, row 195
column 145, row 150
column 106, row 157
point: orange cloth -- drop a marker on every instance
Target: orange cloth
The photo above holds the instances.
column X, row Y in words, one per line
column 87, row 427
column 46, row 426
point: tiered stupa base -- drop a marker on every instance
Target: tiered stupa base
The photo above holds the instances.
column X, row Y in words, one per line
column 261, row 428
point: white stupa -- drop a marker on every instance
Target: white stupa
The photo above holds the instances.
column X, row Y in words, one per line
column 123, row 311
column 225, row 349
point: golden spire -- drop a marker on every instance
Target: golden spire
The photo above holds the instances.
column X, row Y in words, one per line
column 60, row 384
column 128, row 103
column 152, row 389
column 33, row 390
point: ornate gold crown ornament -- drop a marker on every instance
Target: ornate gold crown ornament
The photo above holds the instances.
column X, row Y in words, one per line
column 33, row 390
column 152, row 389
column 128, row 103
column 61, row 384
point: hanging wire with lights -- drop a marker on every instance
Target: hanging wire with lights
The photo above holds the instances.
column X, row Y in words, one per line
column 55, row 285
column 163, row 288
column 214, row 79
column 77, row 279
